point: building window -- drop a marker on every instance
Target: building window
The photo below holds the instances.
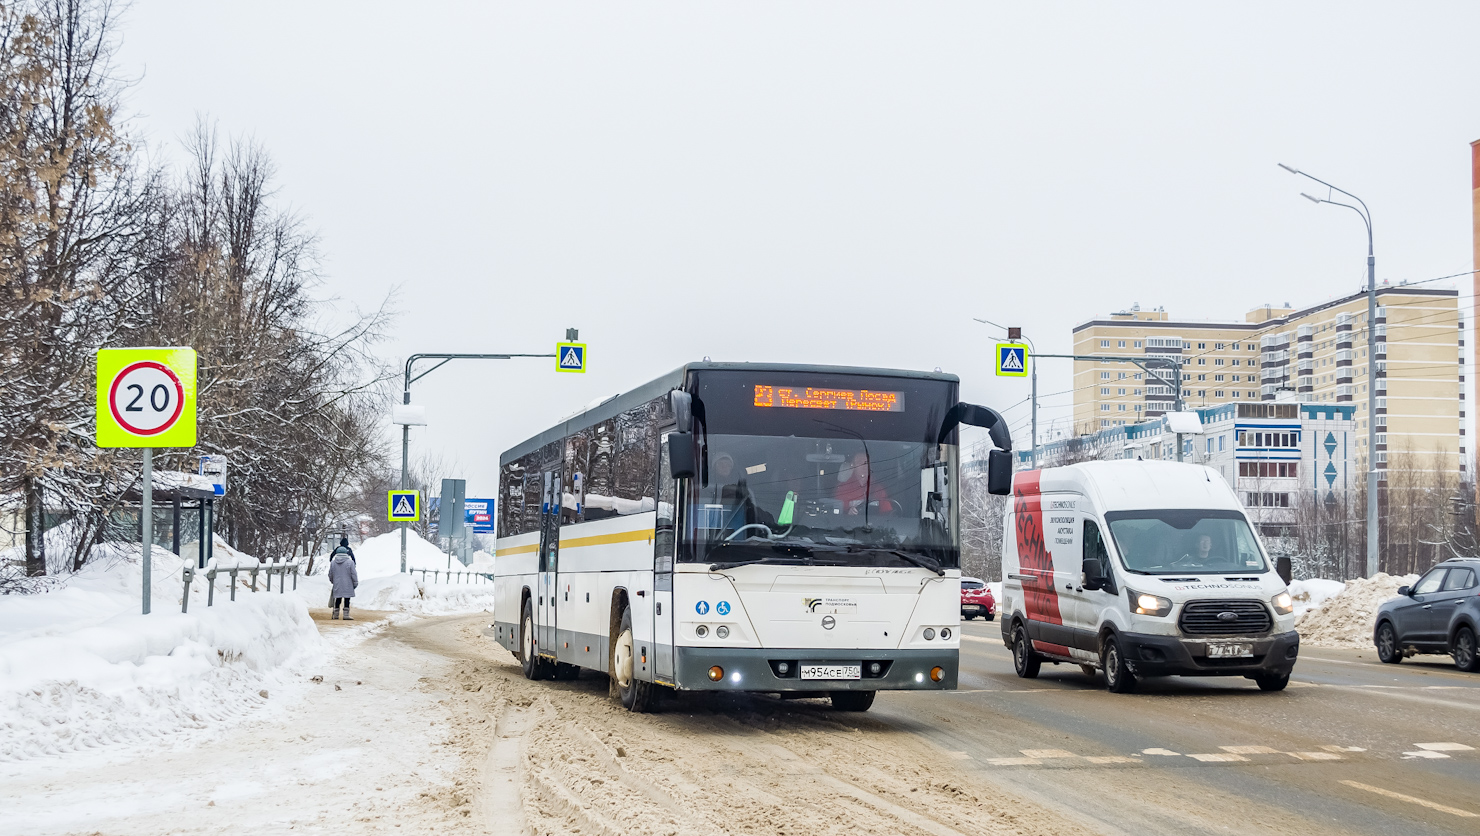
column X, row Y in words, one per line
column 1218, row 378
column 1235, row 393
column 1104, row 375
column 1120, row 376
column 1218, row 346
column 1202, row 345
column 1104, row 343
column 1220, row 442
column 1235, row 361
column 1202, row 361
column 1120, row 408
column 1104, row 422
column 1218, row 393
column 1202, row 393
column 1121, row 345
column 1138, row 407
column 1104, row 407
column 1104, row 390
column 1202, row 377
column 1120, row 391
column 1138, row 343
column 1218, row 361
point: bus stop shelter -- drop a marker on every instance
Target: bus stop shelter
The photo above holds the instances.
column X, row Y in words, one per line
column 181, row 490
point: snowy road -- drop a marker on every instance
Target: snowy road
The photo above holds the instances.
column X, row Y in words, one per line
column 443, row 735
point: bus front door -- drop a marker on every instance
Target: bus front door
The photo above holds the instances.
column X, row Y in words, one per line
column 547, row 582
column 664, row 546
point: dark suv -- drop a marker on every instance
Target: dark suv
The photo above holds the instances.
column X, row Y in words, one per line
column 1438, row 614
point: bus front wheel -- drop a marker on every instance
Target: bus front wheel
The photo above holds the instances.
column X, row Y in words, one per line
column 529, row 660
column 636, row 695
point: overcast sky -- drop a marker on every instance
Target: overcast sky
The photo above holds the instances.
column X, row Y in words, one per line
column 843, row 183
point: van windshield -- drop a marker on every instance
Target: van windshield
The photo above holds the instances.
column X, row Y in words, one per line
column 1185, row 542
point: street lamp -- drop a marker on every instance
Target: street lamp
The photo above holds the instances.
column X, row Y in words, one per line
column 1015, row 334
column 1366, row 216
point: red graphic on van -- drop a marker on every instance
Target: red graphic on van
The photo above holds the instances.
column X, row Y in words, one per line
column 1040, row 598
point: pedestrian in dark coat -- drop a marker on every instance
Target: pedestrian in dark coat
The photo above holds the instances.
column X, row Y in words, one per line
column 343, row 578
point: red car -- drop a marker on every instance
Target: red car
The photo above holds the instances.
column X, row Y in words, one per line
column 977, row 600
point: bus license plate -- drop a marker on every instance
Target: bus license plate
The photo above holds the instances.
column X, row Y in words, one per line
column 832, row 671
column 1231, row 650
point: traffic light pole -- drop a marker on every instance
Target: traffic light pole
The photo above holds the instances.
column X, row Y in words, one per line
column 1160, row 362
column 571, row 335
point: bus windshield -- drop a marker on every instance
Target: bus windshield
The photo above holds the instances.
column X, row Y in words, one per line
column 824, row 500
column 1185, row 542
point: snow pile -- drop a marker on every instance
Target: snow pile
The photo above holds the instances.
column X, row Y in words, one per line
column 1313, row 593
column 1347, row 618
column 80, row 668
column 383, row 587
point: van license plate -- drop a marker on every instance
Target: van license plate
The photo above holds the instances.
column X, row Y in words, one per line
column 1232, row 650
column 832, row 671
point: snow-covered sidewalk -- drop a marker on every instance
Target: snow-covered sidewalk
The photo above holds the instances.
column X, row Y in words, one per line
column 81, row 670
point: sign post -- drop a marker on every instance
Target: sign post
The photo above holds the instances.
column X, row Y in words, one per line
column 146, row 399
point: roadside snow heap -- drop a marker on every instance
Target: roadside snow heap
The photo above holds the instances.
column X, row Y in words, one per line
column 382, row 587
column 80, row 668
column 1346, row 619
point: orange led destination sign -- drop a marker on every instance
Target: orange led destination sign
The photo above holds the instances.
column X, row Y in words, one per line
column 808, row 397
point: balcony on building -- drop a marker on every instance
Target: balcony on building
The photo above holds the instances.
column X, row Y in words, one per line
column 1343, row 322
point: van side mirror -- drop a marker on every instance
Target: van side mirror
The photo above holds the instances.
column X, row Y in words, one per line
column 682, row 463
column 999, row 472
column 1093, row 578
column 1405, row 590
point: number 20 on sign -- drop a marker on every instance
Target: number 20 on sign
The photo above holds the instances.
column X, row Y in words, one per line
column 146, row 397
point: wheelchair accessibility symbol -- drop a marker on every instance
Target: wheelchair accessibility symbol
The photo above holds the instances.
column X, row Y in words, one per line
column 723, row 608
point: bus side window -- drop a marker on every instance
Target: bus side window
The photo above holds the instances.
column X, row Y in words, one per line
column 663, row 536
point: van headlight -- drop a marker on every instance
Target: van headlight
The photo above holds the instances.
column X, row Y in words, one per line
column 1283, row 603
column 1143, row 604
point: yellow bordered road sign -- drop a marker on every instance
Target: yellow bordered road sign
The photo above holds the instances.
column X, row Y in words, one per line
column 570, row 357
column 403, row 506
column 146, row 397
column 1012, row 360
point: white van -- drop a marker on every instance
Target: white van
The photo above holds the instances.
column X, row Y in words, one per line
column 1141, row 569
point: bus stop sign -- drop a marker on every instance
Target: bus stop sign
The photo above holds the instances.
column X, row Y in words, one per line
column 1012, row 360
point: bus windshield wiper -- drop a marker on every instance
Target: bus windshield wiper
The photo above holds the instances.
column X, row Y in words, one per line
column 774, row 561
column 918, row 560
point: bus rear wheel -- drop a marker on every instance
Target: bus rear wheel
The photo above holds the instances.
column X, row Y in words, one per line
column 636, row 695
column 853, row 700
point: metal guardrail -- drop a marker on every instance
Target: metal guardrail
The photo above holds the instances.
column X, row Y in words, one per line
column 462, row 576
column 282, row 570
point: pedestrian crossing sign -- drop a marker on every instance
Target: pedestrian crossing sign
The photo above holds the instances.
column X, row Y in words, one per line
column 403, row 506
column 570, row 357
column 1012, row 360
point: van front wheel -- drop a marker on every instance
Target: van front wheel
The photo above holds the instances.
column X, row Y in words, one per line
column 1118, row 676
column 1025, row 660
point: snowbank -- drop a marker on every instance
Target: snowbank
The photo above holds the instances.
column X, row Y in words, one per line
column 80, row 668
column 383, row 587
column 1313, row 593
column 1346, row 619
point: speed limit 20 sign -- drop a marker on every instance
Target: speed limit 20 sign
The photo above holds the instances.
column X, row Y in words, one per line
column 146, row 397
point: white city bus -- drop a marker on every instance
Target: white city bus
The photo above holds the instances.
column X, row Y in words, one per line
column 743, row 527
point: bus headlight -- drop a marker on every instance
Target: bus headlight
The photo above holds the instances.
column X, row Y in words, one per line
column 1283, row 603
column 929, row 633
column 1142, row 604
column 722, row 631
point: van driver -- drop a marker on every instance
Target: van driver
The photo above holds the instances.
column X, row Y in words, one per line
column 1200, row 556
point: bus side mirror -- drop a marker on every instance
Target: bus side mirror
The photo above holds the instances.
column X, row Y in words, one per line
column 682, row 404
column 682, row 464
column 999, row 472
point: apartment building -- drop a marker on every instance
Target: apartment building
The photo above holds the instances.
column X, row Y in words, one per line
column 1315, row 355
column 1276, row 456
